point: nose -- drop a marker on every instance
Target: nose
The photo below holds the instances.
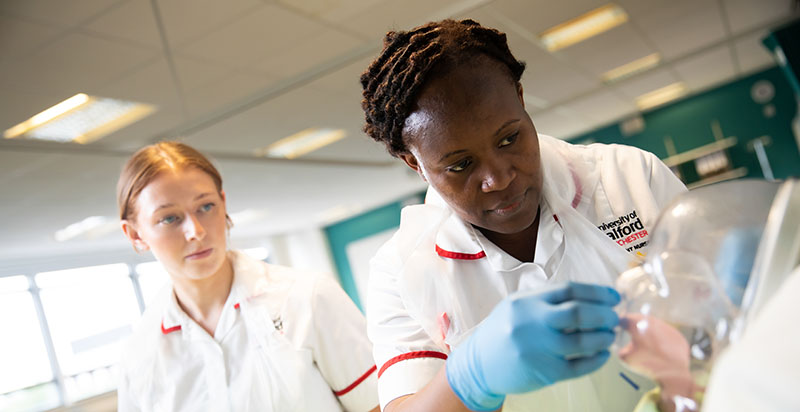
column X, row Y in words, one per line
column 193, row 229
column 497, row 175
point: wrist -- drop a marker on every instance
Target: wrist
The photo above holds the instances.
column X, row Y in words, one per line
column 466, row 380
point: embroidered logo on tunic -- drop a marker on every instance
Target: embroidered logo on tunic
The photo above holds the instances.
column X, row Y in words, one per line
column 626, row 230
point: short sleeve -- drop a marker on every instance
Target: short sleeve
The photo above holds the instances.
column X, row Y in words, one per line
column 341, row 347
column 406, row 356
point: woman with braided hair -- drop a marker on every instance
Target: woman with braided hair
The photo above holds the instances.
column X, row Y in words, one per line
column 495, row 292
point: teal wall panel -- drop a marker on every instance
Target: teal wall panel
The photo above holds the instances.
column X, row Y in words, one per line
column 688, row 123
column 367, row 224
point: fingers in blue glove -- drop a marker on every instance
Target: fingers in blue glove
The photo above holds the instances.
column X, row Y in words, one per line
column 602, row 295
column 579, row 315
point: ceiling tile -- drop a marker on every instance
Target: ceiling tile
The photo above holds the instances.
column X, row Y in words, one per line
column 602, row 107
column 374, row 21
column 60, row 13
column 308, row 53
column 544, row 16
column 259, row 34
column 752, row 54
column 195, row 73
column 18, row 37
column 330, row 9
column 18, row 106
column 84, row 63
column 608, row 50
column 646, row 82
column 275, row 119
column 344, row 81
column 707, row 69
column 747, row 14
column 227, row 90
column 560, row 123
column 145, row 131
column 186, row 20
column 151, row 84
column 133, row 21
column 681, row 27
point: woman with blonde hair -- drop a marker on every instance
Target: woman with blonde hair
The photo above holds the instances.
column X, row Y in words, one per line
column 230, row 333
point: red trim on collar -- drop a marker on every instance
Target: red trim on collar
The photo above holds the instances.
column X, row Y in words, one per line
column 169, row 330
column 462, row 256
column 357, row 381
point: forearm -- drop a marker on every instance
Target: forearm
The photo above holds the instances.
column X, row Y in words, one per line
column 437, row 395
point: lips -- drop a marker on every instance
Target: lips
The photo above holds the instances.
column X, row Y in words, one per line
column 199, row 254
column 508, row 206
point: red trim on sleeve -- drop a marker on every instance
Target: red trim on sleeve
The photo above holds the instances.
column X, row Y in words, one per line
column 169, row 330
column 462, row 256
column 356, row 382
column 411, row 355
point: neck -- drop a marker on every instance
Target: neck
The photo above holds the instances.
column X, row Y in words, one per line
column 204, row 299
column 521, row 245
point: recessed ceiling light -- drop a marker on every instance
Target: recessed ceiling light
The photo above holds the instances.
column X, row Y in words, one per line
column 629, row 69
column 81, row 119
column 661, row 96
column 90, row 228
column 301, row 143
column 583, row 27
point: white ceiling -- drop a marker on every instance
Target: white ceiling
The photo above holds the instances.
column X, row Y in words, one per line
column 235, row 75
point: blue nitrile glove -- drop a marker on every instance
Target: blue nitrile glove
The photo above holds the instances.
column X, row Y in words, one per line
column 533, row 339
column 735, row 259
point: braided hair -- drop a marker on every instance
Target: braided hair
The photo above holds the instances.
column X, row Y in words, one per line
column 409, row 59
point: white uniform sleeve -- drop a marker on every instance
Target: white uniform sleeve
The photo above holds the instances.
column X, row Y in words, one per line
column 341, row 347
column 406, row 357
column 760, row 372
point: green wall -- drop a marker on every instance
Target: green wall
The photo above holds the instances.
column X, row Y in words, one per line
column 688, row 123
column 367, row 224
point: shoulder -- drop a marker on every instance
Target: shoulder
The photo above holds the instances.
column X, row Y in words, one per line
column 417, row 223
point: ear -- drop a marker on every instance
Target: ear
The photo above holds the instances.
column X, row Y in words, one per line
column 139, row 245
column 520, row 94
column 412, row 162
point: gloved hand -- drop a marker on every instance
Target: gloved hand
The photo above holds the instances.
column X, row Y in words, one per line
column 533, row 339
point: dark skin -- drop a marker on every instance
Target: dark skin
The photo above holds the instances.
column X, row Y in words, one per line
column 470, row 137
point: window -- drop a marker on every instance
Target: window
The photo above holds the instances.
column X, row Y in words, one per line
column 90, row 311
column 26, row 378
column 152, row 278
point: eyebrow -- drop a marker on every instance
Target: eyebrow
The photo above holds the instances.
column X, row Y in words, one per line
column 497, row 132
column 198, row 197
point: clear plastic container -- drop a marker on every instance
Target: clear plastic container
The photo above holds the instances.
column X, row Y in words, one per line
column 679, row 307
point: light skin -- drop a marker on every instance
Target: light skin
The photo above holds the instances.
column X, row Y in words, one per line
column 471, row 139
column 180, row 217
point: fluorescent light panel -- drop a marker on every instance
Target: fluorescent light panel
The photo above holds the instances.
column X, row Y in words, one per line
column 81, row 119
column 302, row 142
column 583, row 27
column 629, row 69
column 661, row 96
